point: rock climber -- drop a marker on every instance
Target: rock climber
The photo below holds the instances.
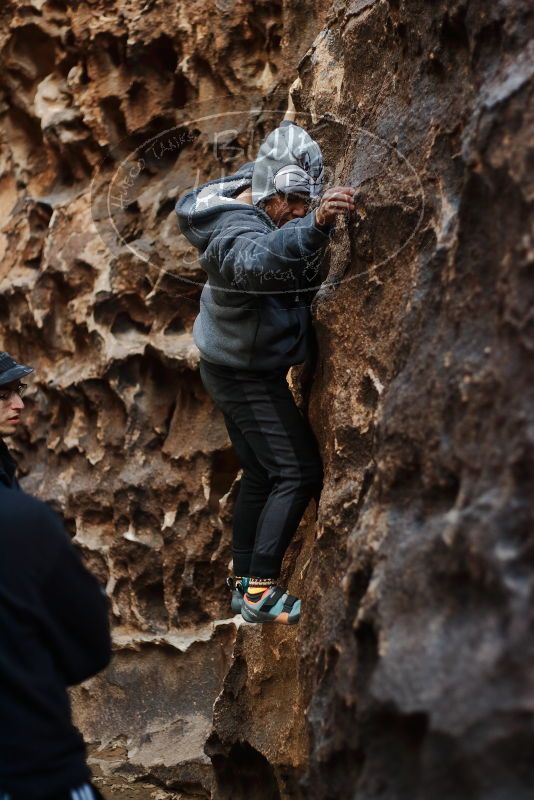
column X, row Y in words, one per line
column 261, row 243
column 11, row 405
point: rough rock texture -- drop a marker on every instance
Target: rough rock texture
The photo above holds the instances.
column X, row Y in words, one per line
column 408, row 677
column 99, row 291
column 418, row 632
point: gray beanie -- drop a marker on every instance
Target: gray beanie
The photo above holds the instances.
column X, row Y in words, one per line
column 289, row 160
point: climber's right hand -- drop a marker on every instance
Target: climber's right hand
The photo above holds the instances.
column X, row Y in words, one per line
column 337, row 200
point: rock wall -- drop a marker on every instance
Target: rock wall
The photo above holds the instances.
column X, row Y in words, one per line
column 408, row 676
column 414, row 649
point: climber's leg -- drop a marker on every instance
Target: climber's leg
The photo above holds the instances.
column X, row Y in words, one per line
column 255, row 484
column 254, row 488
column 262, row 409
column 286, row 447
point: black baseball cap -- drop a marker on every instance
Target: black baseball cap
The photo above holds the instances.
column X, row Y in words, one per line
column 10, row 370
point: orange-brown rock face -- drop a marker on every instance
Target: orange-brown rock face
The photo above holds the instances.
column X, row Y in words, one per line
column 408, row 674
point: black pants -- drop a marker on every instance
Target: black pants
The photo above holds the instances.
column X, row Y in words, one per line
column 279, row 454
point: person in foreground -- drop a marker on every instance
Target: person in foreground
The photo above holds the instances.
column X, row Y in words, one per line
column 54, row 633
column 11, row 405
column 261, row 245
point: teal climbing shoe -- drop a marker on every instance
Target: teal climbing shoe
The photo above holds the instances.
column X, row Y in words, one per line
column 274, row 605
column 238, row 588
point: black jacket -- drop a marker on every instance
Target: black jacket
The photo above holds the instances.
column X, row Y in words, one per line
column 54, row 632
column 8, row 467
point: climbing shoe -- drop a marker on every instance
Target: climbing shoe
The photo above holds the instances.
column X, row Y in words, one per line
column 272, row 605
column 238, row 587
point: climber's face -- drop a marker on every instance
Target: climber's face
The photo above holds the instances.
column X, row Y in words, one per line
column 283, row 208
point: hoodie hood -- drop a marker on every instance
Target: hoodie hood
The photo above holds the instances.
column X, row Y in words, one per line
column 195, row 208
column 289, row 160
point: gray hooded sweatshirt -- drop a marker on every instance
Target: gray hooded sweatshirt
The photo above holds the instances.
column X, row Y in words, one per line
column 254, row 313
